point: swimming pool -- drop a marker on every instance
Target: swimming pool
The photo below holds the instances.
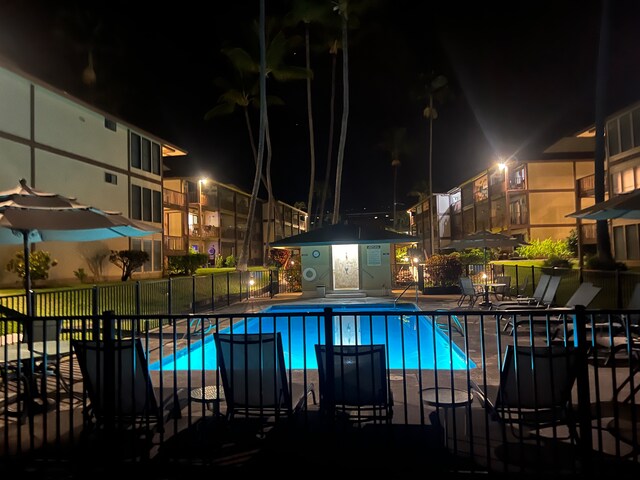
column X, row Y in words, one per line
column 411, row 340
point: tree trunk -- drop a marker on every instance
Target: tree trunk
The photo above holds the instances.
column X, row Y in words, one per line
column 312, row 144
column 246, row 244
column 345, row 117
column 327, row 173
column 602, row 228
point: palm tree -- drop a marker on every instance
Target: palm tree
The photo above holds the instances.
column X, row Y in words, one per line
column 435, row 85
column 342, row 7
column 275, row 67
column 395, row 142
column 308, row 11
column 603, row 242
column 262, row 73
column 333, row 51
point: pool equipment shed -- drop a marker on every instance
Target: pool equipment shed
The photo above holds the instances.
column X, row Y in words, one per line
column 346, row 259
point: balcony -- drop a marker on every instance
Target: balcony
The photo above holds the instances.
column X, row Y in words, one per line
column 586, row 186
column 173, row 198
column 174, row 244
column 193, row 198
column 210, row 231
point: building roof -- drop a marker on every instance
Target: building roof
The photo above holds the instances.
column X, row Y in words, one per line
column 344, row 234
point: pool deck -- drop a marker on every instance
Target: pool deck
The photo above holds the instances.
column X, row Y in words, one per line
column 200, row 443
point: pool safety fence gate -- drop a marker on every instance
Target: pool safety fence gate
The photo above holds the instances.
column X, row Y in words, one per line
column 511, row 408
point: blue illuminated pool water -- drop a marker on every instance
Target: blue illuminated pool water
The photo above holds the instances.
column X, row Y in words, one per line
column 403, row 332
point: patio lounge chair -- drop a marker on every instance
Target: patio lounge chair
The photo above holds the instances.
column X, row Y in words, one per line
column 360, row 388
column 618, row 335
column 127, row 402
column 534, row 391
column 254, row 376
column 468, row 291
column 535, row 299
column 584, row 295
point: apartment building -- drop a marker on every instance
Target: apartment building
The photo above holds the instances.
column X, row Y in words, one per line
column 208, row 216
column 63, row 145
column 524, row 196
column 622, row 174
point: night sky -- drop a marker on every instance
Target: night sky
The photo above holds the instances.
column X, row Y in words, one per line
column 520, row 77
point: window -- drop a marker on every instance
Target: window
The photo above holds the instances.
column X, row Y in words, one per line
column 110, row 178
column 625, row 133
column 157, row 207
column 135, row 150
column 146, row 205
column 625, row 242
column 633, row 248
column 628, row 180
column 145, row 154
column 155, row 158
column 635, row 120
column 136, row 202
column 110, row 124
column 156, row 263
column 154, row 249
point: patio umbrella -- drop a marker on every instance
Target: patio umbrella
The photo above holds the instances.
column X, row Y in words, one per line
column 626, row 205
column 28, row 215
column 484, row 240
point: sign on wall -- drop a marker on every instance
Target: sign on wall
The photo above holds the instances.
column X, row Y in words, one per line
column 374, row 256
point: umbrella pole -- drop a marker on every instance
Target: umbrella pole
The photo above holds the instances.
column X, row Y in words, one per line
column 27, row 272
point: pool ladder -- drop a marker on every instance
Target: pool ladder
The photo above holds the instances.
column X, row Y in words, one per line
column 395, row 301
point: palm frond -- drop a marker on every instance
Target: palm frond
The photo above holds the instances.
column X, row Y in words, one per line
column 287, row 73
column 241, row 60
column 235, row 97
column 219, row 110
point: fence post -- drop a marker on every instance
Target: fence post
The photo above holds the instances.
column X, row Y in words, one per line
column 169, row 295
column 270, row 283
column 213, row 292
column 582, row 380
column 193, row 294
column 95, row 322
column 109, row 372
column 136, row 325
column 328, row 388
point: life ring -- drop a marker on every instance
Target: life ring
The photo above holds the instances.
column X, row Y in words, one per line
column 309, row 274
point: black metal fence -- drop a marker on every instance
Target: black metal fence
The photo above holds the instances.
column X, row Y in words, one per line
column 483, row 397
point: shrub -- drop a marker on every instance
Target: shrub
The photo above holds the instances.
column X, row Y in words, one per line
column 187, row 264
column 594, row 263
column 555, row 261
column 80, row 275
column 230, row 261
column 474, row 256
column 572, row 242
column 40, row 263
column 444, row 270
column 128, row 261
column 546, row 248
column 218, row 261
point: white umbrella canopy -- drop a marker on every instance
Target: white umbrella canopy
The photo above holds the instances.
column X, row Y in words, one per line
column 626, row 205
column 28, row 215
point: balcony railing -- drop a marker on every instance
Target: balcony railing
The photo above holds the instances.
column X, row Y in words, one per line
column 586, row 186
column 174, row 244
column 588, row 231
column 171, row 197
